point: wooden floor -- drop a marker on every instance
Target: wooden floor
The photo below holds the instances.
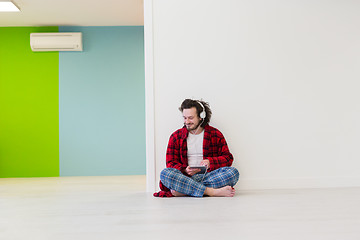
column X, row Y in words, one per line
column 109, row 208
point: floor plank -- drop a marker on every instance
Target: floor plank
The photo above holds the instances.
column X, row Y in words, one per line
column 119, row 208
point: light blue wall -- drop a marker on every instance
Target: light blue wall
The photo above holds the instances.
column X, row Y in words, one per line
column 102, row 103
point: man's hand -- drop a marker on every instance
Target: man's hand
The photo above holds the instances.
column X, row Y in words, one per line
column 206, row 163
column 191, row 171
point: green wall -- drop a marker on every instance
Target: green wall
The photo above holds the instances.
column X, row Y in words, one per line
column 29, row 106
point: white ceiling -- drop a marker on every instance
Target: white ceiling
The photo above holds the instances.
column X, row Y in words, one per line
column 75, row 13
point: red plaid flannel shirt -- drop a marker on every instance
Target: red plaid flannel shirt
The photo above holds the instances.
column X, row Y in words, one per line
column 215, row 149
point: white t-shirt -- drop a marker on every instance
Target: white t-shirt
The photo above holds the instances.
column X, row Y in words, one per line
column 195, row 149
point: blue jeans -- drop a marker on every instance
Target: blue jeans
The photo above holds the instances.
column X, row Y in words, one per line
column 195, row 186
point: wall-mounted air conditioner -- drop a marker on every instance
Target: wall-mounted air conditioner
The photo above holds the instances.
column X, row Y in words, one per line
column 60, row 41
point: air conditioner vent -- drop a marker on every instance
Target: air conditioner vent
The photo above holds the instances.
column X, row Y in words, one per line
column 65, row 41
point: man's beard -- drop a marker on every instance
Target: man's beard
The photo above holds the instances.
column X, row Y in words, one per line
column 192, row 127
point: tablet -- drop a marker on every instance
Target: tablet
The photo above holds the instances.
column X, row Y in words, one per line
column 202, row 168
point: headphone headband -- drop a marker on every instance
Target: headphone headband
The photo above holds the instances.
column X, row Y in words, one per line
column 203, row 112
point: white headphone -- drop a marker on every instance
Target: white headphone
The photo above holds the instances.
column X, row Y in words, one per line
column 203, row 112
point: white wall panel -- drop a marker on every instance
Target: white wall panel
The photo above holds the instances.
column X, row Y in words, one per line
column 282, row 78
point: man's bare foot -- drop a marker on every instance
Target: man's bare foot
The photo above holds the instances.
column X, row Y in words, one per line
column 226, row 191
column 177, row 194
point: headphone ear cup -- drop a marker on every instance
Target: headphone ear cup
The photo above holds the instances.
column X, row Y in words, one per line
column 203, row 113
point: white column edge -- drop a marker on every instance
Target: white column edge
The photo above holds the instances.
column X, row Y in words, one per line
column 149, row 96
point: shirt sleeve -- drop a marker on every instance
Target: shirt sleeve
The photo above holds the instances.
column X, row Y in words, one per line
column 221, row 156
column 173, row 158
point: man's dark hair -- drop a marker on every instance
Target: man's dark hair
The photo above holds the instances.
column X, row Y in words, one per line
column 190, row 103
